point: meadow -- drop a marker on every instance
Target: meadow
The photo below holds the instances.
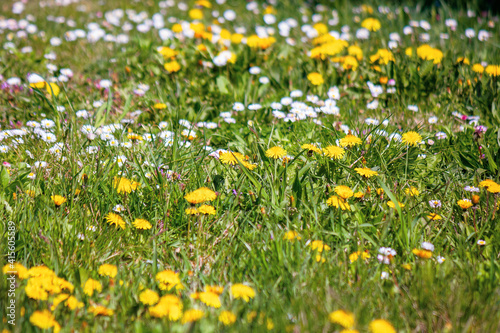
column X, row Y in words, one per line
column 249, row 166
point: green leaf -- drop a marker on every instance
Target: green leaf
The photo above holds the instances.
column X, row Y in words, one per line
column 222, row 84
column 4, row 177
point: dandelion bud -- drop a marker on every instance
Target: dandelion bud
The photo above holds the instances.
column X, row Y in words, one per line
column 475, row 199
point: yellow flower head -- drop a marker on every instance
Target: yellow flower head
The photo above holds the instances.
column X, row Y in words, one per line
column 43, row 319
column 350, row 141
column 344, row 191
column 142, row 224
column 383, row 56
column 411, row 138
column 337, row 202
column 208, row 298
column 276, row 152
column 90, row 286
column 353, row 257
column 227, row 318
column 478, row 68
column 342, row 318
column 172, row 66
column 335, row 152
column 169, row 306
column 149, row 297
column 319, row 246
column 434, row 217
column 493, row 70
column 108, row 270
column 242, row 291
column 315, row 78
column 421, row 253
column 16, row 269
column 231, row 158
column 412, row 191
column 392, row 205
column 292, row 235
column 427, row 52
column 464, row 203
column 124, row 185
column 371, row 24
column 381, row 326
column 192, row 315
column 58, row 199
column 168, row 279
column 311, row 147
column 206, row 210
column 115, row 219
column 203, row 194
column 366, row 172
column 99, row 310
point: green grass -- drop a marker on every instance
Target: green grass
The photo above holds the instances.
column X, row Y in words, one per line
column 244, row 242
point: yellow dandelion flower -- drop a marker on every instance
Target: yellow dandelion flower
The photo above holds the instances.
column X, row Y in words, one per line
column 381, row 326
column 335, row 152
column 353, row 257
column 464, row 203
column 355, row 51
column 350, row 141
column 275, row 152
column 292, row 235
column 371, row 24
column 142, row 224
column 315, row 78
column 160, row 106
column 108, row 270
column 168, row 278
column 167, row 52
column 169, row 306
column 383, row 56
column 192, row 315
column 149, row 297
column 43, row 319
column 90, row 286
column 392, row 205
column 412, row 191
column 434, row 217
column 411, row 138
column 493, row 70
column 421, row 253
column 319, row 246
column 311, row 148
column 58, row 199
column 478, row 68
column 493, row 188
column 342, row 318
column 124, row 185
column 99, row 310
column 58, row 300
column 242, row 291
column 427, row 52
column 337, row 202
column 16, row 269
column 366, row 172
column 191, row 211
column 73, row 303
column 203, row 194
column 344, row 191
column 172, row 66
column 115, row 219
column 206, row 210
column 209, row 298
column 231, row 158
column 227, row 318
column 215, row 289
